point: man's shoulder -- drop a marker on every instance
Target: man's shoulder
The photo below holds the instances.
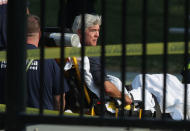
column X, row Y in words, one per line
column 51, row 63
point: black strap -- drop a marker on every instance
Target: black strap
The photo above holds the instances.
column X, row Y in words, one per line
column 157, row 107
column 128, row 87
column 132, row 98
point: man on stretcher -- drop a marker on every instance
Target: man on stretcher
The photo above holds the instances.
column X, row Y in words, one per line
column 153, row 87
column 113, row 86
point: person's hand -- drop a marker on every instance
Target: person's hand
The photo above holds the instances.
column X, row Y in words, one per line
column 128, row 100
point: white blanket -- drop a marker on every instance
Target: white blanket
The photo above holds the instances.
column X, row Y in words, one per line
column 174, row 93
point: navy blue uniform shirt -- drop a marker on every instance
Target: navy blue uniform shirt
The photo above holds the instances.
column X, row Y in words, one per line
column 51, row 83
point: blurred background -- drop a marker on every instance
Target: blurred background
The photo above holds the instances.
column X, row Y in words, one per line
column 134, row 29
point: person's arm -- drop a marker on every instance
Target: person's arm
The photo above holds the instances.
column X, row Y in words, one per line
column 57, row 89
column 58, row 102
column 112, row 91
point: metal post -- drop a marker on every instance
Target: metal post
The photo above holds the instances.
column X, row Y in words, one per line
column 144, row 47
column 103, row 43
column 186, row 54
column 165, row 60
column 42, row 19
column 15, row 91
column 123, row 64
column 62, row 55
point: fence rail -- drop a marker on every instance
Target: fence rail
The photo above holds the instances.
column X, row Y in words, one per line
column 15, row 116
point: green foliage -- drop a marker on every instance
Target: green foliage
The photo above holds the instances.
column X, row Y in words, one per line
column 134, row 11
column 154, row 64
column 113, row 26
column 51, row 10
column 113, row 15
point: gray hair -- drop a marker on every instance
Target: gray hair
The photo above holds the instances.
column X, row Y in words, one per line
column 90, row 20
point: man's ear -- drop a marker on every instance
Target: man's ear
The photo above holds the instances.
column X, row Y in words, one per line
column 79, row 33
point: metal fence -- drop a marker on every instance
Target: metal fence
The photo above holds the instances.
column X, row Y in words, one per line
column 15, row 117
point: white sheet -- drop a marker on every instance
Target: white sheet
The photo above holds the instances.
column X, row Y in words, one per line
column 174, row 93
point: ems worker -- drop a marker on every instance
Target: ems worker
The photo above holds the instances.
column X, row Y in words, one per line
column 52, row 90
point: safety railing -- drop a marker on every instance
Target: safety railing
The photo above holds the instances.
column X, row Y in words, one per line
column 16, row 118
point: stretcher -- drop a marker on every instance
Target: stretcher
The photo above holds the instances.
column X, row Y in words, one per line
column 80, row 96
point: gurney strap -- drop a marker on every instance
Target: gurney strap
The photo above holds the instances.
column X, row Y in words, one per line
column 157, row 107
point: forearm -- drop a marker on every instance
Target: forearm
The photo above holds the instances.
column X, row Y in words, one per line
column 58, row 102
column 112, row 91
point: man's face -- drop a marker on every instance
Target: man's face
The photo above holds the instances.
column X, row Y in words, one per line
column 91, row 35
